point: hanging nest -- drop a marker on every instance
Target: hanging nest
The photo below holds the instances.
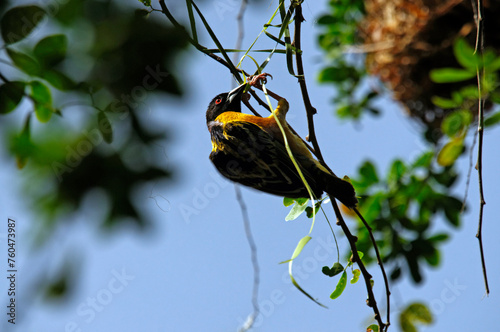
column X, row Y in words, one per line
column 409, row 38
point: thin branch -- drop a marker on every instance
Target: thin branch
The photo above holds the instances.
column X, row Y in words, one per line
column 371, row 302
column 246, row 220
column 241, row 31
column 480, row 130
column 310, row 111
column 379, row 260
column 253, row 252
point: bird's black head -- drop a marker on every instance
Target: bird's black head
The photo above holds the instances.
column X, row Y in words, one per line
column 225, row 102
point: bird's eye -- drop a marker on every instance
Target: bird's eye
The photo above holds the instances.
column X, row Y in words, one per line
column 218, row 101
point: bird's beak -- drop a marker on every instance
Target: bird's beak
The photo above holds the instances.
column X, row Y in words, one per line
column 234, row 96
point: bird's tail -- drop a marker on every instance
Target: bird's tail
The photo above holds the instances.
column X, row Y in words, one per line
column 341, row 190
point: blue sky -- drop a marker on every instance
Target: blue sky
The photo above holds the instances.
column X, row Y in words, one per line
column 192, row 272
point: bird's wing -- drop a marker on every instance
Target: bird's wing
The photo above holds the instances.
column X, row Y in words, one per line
column 249, row 155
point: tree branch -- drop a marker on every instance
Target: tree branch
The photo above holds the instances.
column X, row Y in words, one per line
column 310, row 111
column 478, row 8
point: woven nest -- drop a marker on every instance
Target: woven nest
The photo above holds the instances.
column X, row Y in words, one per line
column 408, row 38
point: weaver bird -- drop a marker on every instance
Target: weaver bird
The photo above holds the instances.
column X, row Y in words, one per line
column 250, row 150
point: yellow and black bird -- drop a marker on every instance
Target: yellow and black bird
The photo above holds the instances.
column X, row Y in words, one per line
column 250, row 150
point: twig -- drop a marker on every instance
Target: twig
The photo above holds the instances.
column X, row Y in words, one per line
column 371, row 302
column 480, row 130
column 310, row 111
column 253, row 252
column 379, row 260
column 246, row 220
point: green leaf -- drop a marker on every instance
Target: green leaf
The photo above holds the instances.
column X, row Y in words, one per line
column 372, row 206
column 146, row 3
column 298, row 249
column 287, row 201
column 456, row 122
column 24, row 62
column 11, row 94
column 424, row 160
column 452, row 209
column 294, row 282
column 340, row 286
column 451, row 75
column 43, row 101
column 492, row 120
column 310, row 212
column 440, row 237
column 398, row 169
column 415, row 313
column 334, row 270
column 372, row 328
column 450, row 152
column 433, row 258
column 51, row 50
column 58, row 80
column 297, row 209
column 355, row 276
column 18, row 22
column 21, row 145
column 104, row 127
column 464, row 54
column 444, row 103
column 369, row 173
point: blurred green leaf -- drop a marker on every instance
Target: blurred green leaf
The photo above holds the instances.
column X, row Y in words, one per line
column 433, row 258
column 18, row 22
column 415, row 313
column 146, row 3
column 397, row 170
column 21, row 145
column 439, row 237
column 451, row 75
column 452, row 209
column 340, row 286
column 372, row 328
column 11, row 94
column 51, row 50
column 455, row 122
column 492, row 120
column 369, row 173
column 58, row 80
column 464, row 54
column 424, row 160
column 43, row 101
column 24, row 62
column 444, row 103
column 450, row 152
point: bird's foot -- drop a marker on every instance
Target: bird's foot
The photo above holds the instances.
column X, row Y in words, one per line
column 257, row 80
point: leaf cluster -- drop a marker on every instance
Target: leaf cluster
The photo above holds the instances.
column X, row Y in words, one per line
column 130, row 58
column 402, row 207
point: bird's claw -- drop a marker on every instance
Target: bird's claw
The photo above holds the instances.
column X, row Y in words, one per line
column 257, row 80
